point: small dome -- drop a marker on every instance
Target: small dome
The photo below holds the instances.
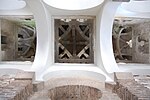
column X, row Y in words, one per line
column 73, row 4
column 12, row 4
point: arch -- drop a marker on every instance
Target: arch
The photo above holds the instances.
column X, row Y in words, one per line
column 106, row 23
column 43, row 51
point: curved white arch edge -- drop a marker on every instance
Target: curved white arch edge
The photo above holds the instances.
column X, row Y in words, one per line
column 104, row 63
column 73, row 4
column 107, row 18
column 43, row 49
column 12, row 4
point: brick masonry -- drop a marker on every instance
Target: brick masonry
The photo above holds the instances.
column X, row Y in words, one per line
column 13, row 89
column 129, row 89
column 75, row 92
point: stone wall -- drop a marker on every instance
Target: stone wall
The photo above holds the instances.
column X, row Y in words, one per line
column 75, row 92
column 16, row 88
column 140, row 38
column 8, row 33
column 128, row 89
column 143, row 79
column 133, row 44
column 18, row 40
column 131, row 90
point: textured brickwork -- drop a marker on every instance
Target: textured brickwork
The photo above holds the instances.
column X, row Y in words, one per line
column 140, row 43
column 107, row 95
column 129, row 89
column 61, row 85
column 75, row 92
column 143, row 79
column 17, row 90
column 38, row 85
column 110, row 86
column 12, row 89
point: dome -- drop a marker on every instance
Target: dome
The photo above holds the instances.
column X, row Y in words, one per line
column 73, row 4
column 12, row 4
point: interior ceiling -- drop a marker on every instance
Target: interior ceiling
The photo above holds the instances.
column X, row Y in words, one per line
column 62, row 12
column 73, row 4
column 134, row 8
column 139, row 6
column 12, row 4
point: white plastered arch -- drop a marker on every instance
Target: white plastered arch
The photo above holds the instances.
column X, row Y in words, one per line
column 43, row 50
column 106, row 24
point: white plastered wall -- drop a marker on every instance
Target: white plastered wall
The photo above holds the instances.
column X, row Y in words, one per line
column 106, row 23
column 104, row 62
column 18, row 12
column 43, row 56
column 103, row 43
column 134, row 9
column 70, row 70
column 43, row 64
